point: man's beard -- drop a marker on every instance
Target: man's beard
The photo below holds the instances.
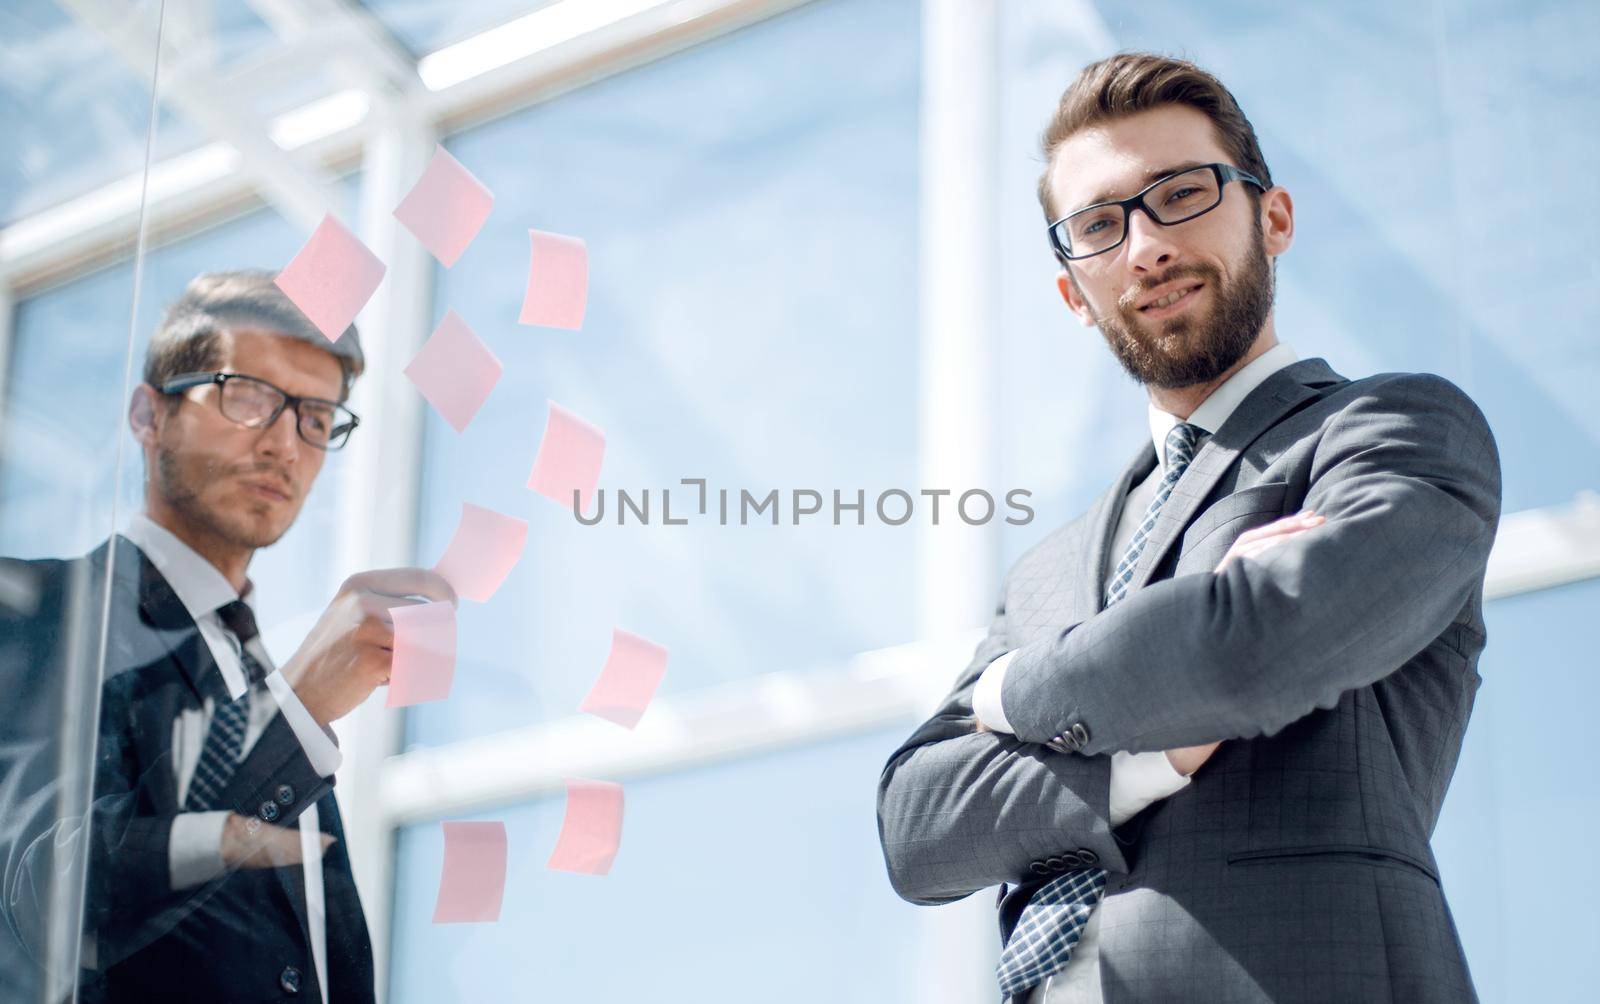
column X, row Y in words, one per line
column 1188, row 349
column 180, row 482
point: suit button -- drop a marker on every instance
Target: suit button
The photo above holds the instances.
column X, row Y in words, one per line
column 289, row 980
column 285, row 795
column 1055, row 864
column 1073, row 860
column 1059, row 745
column 269, row 811
column 1039, row 868
column 1081, row 734
column 1087, row 856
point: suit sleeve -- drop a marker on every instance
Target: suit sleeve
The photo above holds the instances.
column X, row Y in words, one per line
column 129, row 900
column 1408, row 478
column 961, row 810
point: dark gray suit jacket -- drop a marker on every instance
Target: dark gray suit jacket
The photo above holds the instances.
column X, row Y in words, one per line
column 1339, row 668
column 243, row 936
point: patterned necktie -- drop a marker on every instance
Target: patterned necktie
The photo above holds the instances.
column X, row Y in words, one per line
column 1053, row 920
column 220, row 754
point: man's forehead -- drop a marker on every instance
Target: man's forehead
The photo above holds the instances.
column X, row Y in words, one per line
column 1112, row 160
column 282, row 359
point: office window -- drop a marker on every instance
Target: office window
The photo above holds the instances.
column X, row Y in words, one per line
column 750, row 209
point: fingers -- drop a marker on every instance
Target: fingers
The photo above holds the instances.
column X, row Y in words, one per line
column 1264, row 538
column 376, row 606
column 272, row 847
column 422, row 582
column 279, row 847
column 1305, row 519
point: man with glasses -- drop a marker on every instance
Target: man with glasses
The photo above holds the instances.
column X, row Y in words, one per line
column 216, row 863
column 1283, row 586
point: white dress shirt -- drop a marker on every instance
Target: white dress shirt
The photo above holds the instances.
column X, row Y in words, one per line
column 194, row 851
column 1137, row 779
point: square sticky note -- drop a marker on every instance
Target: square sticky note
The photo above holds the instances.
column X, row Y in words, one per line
column 455, row 371
column 482, row 553
column 558, row 281
column 424, row 653
column 446, row 208
column 332, row 278
column 472, row 882
column 592, row 829
column 628, row 680
column 569, row 458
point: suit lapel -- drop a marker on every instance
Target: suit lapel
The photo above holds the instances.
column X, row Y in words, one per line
column 1259, row 411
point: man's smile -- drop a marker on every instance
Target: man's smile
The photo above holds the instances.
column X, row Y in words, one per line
column 1172, row 302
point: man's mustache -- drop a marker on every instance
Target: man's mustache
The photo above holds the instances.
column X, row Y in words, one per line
column 272, row 473
column 1130, row 299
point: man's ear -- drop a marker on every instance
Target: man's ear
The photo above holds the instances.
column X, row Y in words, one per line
column 1277, row 221
column 145, row 414
column 1075, row 301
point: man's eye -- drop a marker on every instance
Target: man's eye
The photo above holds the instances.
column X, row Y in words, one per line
column 1183, row 193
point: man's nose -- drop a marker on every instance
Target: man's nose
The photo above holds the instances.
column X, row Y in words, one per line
column 280, row 439
column 1150, row 245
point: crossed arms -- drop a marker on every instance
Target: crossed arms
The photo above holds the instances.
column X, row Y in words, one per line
column 1408, row 478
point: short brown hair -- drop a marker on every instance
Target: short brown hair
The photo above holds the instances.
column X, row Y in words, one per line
column 1131, row 82
column 186, row 340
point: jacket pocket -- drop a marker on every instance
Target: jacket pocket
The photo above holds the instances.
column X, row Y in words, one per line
column 1357, row 852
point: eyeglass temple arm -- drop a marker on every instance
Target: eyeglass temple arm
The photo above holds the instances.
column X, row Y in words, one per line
column 178, row 384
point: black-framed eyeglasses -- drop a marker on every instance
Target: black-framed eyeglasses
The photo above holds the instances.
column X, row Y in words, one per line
column 256, row 404
column 1175, row 199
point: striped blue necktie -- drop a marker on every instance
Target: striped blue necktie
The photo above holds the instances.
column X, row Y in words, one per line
column 1051, row 923
column 224, row 744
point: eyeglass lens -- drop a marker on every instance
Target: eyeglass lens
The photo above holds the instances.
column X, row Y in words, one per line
column 253, row 404
column 1178, row 198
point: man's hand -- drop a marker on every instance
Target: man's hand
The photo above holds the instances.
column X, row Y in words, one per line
column 350, row 650
column 1250, row 543
column 1264, row 538
column 1188, row 759
column 249, row 843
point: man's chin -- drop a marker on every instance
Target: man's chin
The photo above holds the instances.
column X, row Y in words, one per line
column 257, row 525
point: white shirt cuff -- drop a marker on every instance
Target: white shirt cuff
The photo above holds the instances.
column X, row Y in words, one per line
column 986, row 694
column 194, row 848
column 1140, row 779
column 320, row 748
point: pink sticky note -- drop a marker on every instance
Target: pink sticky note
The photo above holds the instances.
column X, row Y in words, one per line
column 558, row 281
column 332, row 278
column 455, row 371
column 629, row 679
column 592, row 829
column 482, row 552
column 424, row 654
column 446, row 208
column 569, row 458
column 473, row 881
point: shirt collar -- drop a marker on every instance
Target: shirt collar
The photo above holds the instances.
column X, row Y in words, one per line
column 1216, row 408
column 197, row 582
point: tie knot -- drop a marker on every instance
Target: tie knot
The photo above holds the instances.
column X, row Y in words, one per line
column 1181, row 442
column 236, row 617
